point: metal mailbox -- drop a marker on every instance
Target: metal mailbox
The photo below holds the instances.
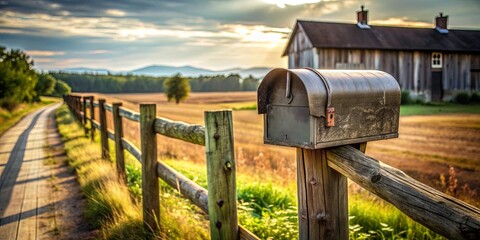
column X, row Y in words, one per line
column 312, row 108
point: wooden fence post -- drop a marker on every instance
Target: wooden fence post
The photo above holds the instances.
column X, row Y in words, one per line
column 103, row 128
column 322, row 197
column 119, row 154
column 77, row 108
column 222, row 196
column 150, row 188
column 84, row 109
column 92, row 118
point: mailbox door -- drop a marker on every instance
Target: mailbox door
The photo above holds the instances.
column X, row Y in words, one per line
column 288, row 126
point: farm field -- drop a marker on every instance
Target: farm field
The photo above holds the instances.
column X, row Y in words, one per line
column 427, row 146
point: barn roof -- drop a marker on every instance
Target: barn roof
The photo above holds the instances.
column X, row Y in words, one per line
column 350, row 36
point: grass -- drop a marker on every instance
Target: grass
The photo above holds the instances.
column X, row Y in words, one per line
column 269, row 209
column 8, row 119
column 113, row 207
column 110, row 207
column 441, row 108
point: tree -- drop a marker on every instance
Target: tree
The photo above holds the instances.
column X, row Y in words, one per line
column 45, row 85
column 176, row 88
column 17, row 78
column 250, row 83
column 60, row 89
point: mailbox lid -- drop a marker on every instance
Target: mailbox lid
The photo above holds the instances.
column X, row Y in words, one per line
column 327, row 88
column 360, row 87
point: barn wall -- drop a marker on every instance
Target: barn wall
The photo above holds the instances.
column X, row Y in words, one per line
column 475, row 72
column 412, row 69
column 300, row 51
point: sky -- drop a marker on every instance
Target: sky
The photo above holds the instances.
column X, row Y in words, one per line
column 123, row 35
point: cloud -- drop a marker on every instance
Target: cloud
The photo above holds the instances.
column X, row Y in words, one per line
column 404, row 22
column 43, row 60
column 98, row 52
column 283, row 3
column 215, row 34
column 115, row 12
column 42, row 53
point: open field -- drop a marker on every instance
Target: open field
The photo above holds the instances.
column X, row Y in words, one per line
column 427, row 145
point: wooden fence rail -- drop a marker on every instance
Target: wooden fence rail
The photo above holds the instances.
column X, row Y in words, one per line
column 224, row 226
column 439, row 212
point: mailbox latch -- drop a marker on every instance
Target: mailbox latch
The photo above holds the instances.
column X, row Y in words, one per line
column 330, row 120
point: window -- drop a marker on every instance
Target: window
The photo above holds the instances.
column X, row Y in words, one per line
column 436, row 60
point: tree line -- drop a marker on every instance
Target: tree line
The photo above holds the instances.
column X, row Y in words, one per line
column 121, row 83
column 19, row 82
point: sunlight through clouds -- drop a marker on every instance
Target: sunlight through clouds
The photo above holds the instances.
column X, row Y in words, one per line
column 404, row 22
column 115, row 13
column 283, row 3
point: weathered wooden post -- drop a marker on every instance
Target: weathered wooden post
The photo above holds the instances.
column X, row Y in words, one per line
column 84, row 110
column 103, row 129
column 222, row 196
column 327, row 109
column 92, row 118
column 78, row 108
column 150, row 188
column 119, row 154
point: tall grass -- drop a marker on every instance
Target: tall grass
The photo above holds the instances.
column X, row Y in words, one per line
column 113, row 207
column 269, row 209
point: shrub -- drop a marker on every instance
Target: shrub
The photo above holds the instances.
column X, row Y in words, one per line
column 475, row 98
column 462, row 98
column 406, row 98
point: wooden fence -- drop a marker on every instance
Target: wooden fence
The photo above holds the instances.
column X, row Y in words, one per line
column 321, row 175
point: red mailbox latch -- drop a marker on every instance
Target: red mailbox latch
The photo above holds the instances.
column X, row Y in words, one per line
column 330, row 117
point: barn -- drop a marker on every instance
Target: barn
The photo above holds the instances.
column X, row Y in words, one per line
column 432, row 63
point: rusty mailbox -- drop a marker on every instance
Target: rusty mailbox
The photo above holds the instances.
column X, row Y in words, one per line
column 313, row 109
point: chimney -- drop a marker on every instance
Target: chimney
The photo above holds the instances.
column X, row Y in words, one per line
column 441, row 23
column 362, row 18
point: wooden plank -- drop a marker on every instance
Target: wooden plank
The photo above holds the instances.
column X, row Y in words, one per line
column 222, row 196
column 127, row 145
column 13, row 181
column 34, row 154
column 108, row 107
column 303, row 231
column 322, row 197
column 189, row 189
column 118, row 128
column 92, row 118
column 244, row 234
column 439, row 212
column 150, row 189
column 103, row 129
column 129, row 114
column 84, row 110
column 180, row 130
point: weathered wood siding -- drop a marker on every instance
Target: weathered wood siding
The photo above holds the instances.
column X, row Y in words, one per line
column 456, row 71
column 475, row 71
column 301, row 52
column 412, row 69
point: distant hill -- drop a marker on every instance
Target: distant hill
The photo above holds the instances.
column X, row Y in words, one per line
column 161, row 70
column 188, row 71
column 86, row 70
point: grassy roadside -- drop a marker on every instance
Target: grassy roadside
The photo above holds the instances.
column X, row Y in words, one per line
column 8, row 119
column 114, row 207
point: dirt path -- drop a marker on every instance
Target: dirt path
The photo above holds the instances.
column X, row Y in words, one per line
column 39, row 196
